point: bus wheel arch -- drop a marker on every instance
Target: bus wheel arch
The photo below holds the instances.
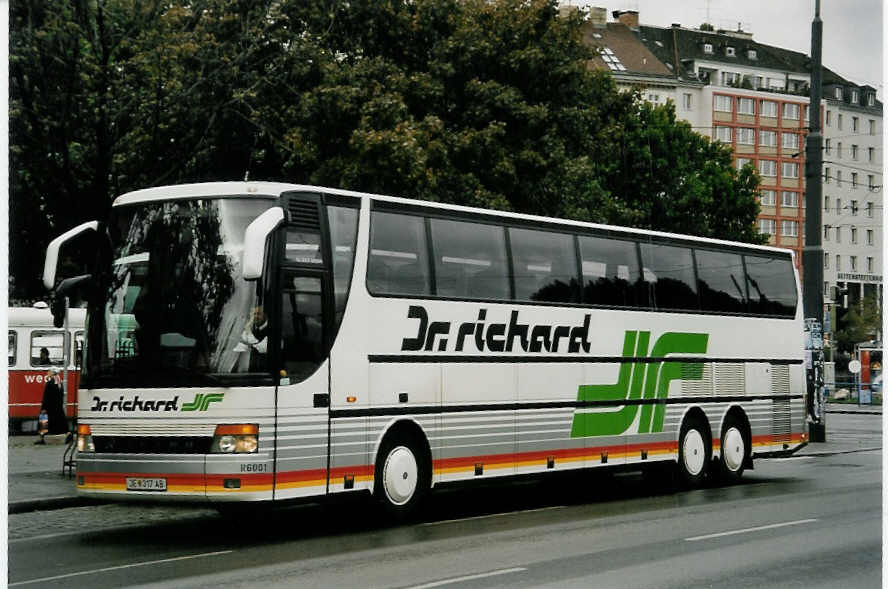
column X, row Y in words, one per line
column 735, row 453
column 402, row 473
column 694, row 448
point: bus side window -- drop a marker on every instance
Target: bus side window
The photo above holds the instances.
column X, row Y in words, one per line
column 545, row 266
column 720, row 281
column 470, row 260
column 47, row 348
column 611, row 274
column 669, row 271
column 13, row 339
column 398, row 263
column 772, row 289
column 78, row 348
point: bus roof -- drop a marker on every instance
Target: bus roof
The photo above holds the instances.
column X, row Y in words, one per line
column 275, row 189
column 41, row 317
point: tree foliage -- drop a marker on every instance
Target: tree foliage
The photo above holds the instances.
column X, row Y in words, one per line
column 861, row 323
column 471, row 102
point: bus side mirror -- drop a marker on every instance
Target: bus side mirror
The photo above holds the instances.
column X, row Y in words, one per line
column 254, row 241
column 52, row 251
column 57, row 303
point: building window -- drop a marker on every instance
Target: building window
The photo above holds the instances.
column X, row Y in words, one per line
column 839, row 122
column 870, row 153
column 707, row 47
column 855, row 124
column 838, row 206
column 827, row 146
column 838, row 263
column 839, row 149
column 768, row 198
column 790, row 170
column 653, row 98
column 839, row 178
column 853, row 151
column 869, row 210
column 730, row 79
column 730, row 52
column 827, row 175
column 854, row 207
column 870, row 182
column 854, row 235
column 746, row 106
column 872, row 127
column 611, row 59
column 751, row 54
column 789, row 228
column 869, row 237
column 870, row 99
column 768, row 108
column 826, row 265
column 854, row 181
column 838, row 93
column 767, row 226
column 768, row 168
column 745, row 136
column 723, row 134
column 789, row 199
column 791, row 141
column 768, row 138
column 743, row 161
column 723, row 103
column 854, row 96
column 853, row 263
column 869, row 264
column 826, row 203
column 686, row 101
column 790, row 111
column 838, row 235
column 826, row 229
column 828, row 118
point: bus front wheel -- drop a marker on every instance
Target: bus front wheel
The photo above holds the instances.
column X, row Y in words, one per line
column 402, row 475
column 694, row 451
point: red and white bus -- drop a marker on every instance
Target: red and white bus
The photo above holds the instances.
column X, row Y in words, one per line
column 34, row 346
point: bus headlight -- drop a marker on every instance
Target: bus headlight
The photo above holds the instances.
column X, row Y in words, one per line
column 236, row 439
column 84, row 439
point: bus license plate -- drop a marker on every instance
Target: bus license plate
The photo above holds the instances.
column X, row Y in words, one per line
column 140, row 484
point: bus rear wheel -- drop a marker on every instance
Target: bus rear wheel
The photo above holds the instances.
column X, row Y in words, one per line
column 402, row 475
column 694, row 452
column 734, row 450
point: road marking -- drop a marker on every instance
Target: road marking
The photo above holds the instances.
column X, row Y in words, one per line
column 745, row 530
column 466, row 519
column 467, row 578
column 123, row 566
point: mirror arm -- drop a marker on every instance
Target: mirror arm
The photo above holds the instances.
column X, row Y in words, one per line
column 254, row 241
column 52, row 251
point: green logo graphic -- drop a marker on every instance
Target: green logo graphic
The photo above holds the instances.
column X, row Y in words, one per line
column 201, row 401
column 643, row 379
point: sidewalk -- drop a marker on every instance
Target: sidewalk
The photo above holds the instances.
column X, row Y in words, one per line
column 36, row 481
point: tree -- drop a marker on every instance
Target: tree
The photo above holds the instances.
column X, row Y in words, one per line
column 471, row 102
column 862, row 323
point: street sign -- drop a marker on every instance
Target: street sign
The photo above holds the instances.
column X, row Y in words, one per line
column 854, row 366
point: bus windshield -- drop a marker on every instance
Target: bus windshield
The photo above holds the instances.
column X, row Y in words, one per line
column 173, row 308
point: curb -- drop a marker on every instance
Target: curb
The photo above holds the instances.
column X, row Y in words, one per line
column 835, row 452
column 51, row 503
column 853, row 412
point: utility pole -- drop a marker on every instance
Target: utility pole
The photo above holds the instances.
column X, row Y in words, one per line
column 812, row 254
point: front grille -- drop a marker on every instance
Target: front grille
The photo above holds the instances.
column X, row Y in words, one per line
column 153, row 444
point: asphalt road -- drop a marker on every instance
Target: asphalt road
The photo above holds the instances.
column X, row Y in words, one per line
column 811, row 522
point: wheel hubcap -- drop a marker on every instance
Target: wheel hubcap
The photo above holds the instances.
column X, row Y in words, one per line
column 693, row 452
column 733, row 449
column 400, row 475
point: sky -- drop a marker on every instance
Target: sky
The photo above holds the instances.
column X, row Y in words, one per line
column 852, row 29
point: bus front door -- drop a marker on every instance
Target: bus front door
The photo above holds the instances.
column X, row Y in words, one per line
column 303, row 393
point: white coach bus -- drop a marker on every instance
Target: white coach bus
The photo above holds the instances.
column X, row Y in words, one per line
column 268, row 342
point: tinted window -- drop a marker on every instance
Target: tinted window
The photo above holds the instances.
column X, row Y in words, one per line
column 720, row 281
column 669, row 271
column 470, row 260
column 611, row 273
column 303, row 247
column 545, row 266
column 302, row 333
column 772, row 287
column 343, row 233
column 398, row 261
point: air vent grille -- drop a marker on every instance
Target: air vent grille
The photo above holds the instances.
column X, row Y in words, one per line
column 304, row 215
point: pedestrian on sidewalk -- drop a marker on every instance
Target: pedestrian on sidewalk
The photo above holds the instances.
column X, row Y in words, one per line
column 54, row 404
